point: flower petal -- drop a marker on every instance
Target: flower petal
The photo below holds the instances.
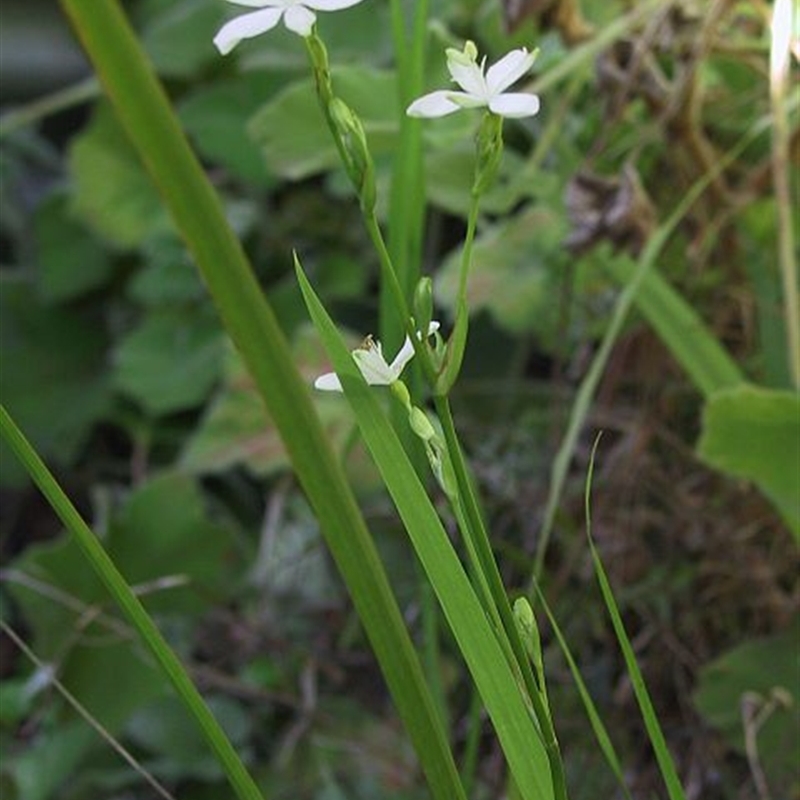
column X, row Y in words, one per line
column 407, row 351
column 299, row 19
column 245, row 27
column 329, row 382
column 515, row 106
column 435, row 104
column 262, row 3
column 469, row 77
column 464, row 100
column 330, row 5
column 373, row 365
column 509, row 69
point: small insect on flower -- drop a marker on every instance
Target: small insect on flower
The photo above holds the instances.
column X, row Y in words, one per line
column 372, row 364
column 482, row 87
column 298, row 16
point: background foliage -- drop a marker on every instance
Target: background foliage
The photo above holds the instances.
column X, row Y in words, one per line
column 115, row 365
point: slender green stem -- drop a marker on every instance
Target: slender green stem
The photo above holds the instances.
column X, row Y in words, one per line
column 466, row 253
column 388, row 272
column 133, row 609
column 781, row 176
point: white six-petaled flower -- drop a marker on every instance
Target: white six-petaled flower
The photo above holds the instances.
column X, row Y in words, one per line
column 482, row 87
column 298, row 16
column 373, row 366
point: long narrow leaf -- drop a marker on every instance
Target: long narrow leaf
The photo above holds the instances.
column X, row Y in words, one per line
column 688, row 338
column 490, row 670
column 598, row 727
column 169, row 663
column 665, row 762
column 152, row 126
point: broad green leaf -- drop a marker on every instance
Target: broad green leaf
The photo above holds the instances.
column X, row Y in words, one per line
column 154, row 535
column 168, row 278
column 163, row 530
column 491, row 672
column 179, row 38
column 215, row 117
column 70, row 260
column 510, row 276
column 767, row 670
column 112, row 192
column 160, row 728
column 754, row 433
column 52, row 374
column 305, row 147
column 51, row 760
column 171, row 361
column 237, row 429
column 450, row 172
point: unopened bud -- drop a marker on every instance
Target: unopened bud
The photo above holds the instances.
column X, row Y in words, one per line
column 420, row 424
column 423, row 303
column 358, row 161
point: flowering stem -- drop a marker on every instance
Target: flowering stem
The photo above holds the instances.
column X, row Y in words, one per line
column 476, row 531
column 319, row 62
column 466, row 253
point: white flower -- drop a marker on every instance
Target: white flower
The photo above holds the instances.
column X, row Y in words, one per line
column 297, row 16
column 369, row 359
column 481, row 87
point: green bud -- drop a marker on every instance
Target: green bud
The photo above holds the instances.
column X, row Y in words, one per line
column 423, row 303
column 357, row 159
column 464, row 57
column 421, row 425
column 400, row 391
column 529, row 632
column 322, row 72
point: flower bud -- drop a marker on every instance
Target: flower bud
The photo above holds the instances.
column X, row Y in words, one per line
column 353, row 146
column 423, row 303
column 400, row 391
column 322, row 72
column 420, row 424
column 529, row 632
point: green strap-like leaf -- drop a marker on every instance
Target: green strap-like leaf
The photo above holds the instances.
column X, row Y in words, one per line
column 490, row 670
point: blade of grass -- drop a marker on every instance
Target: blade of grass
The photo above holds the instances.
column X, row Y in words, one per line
column 654, row 732
column 520, row 740
column 680, row 328
column 599, row 729
column 152, row 126
column 130, row 604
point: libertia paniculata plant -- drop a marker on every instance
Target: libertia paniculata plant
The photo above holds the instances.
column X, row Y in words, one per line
column 498, row 639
